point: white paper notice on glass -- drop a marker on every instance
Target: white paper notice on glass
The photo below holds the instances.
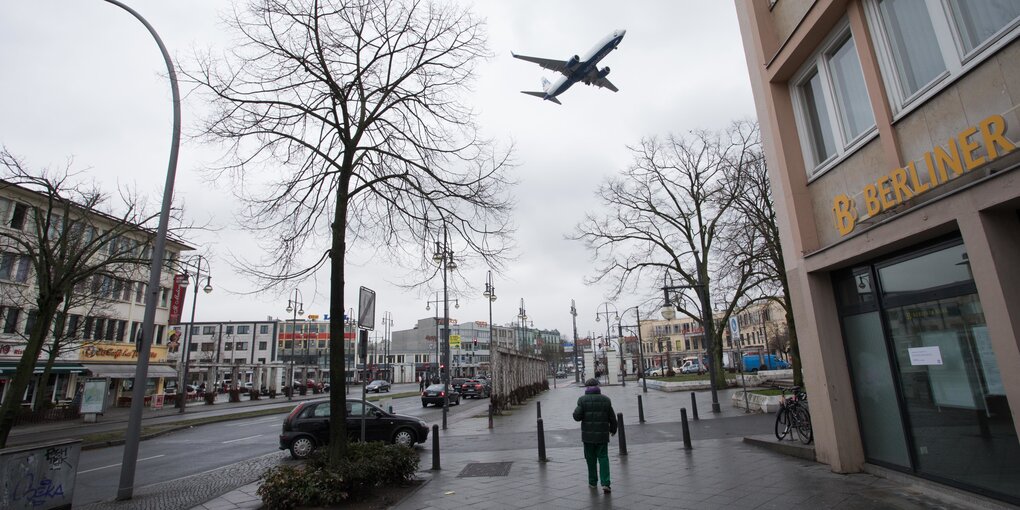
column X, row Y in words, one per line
column 925, row 355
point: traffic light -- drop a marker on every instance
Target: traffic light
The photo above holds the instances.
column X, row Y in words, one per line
column 476, row 343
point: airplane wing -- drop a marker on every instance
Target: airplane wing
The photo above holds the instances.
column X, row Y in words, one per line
column 605, row 83
column 560, row 66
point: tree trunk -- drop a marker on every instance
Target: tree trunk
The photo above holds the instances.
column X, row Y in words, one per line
column 44, row 386
column 26, row 367
column 337, row 358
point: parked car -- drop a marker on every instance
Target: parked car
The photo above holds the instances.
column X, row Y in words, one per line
column 754, row 362
column 475, row 389
column 171, row 389
column 307, row 426
column 377, row 386
column 655, row 372
column 692, row 367
column 434, row 394
column 561, row 374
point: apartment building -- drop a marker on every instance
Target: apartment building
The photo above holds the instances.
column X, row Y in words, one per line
column 890, row 131
column 100, row 329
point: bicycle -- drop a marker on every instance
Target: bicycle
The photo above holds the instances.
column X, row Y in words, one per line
column 794, row 415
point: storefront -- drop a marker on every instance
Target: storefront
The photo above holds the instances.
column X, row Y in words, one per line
column 117, row 362
column 927, row 385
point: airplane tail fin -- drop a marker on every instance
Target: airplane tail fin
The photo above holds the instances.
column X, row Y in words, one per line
column 541, row 95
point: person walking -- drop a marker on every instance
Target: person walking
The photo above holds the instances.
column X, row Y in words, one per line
column 598, row 421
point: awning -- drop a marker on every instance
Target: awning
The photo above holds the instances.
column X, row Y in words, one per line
column 10, row 367
column 128, row 371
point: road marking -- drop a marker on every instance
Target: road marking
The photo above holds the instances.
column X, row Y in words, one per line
column 242, row 439
column 266, row 420
column 117, row 464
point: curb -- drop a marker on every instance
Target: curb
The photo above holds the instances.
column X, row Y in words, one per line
column 791, row 448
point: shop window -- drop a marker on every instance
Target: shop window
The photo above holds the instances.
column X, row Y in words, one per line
column 924, row 45
column 834, row 112
column 927, row 384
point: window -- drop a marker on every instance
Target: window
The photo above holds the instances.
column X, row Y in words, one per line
column 834, row 112
column 264, row 329
column 241, row 346
column 160, row 333
column 14, row 267
column 228, row 346
column 977, row 22
column 164, row 295
column 243, row 330
column 11, row 319
column 923, row 46
column 126, row 294
column 208, row 330
column 263, row 346
column 230, row 330
column 73, row 322
column 194, row 330
column 139, row 292
column 19, row 216
column 98, row 327
column 33, row 317
column 121, row 326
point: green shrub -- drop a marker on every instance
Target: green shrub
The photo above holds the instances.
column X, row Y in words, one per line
column 367, row 465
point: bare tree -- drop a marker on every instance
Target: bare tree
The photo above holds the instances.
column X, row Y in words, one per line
column 671, row 209
column 351, row 112
column 756, row 240
column 68, row 234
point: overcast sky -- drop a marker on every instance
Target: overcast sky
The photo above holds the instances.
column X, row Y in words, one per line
column 83, row 82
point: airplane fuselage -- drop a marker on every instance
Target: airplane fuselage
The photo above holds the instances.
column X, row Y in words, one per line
column 586, row 64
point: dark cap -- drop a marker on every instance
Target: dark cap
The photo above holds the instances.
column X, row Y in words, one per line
column 591, row 382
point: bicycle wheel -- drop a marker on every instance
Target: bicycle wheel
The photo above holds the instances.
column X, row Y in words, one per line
column 782, row 423
column 802, row 424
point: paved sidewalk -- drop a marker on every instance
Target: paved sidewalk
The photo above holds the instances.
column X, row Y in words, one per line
column 720, row 472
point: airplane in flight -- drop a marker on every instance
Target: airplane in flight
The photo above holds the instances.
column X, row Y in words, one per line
column 576, row 69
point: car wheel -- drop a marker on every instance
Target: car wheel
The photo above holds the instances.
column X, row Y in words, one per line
column 302, row 447
column 404, row 437
column 457, row 401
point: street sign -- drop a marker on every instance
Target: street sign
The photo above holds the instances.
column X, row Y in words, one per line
column 455, row 341
column 734, row 330
column 366, row 309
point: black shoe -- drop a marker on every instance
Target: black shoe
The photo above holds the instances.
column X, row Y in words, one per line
column 606, row 490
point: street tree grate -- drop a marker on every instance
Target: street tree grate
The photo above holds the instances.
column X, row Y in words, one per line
column 485, row 469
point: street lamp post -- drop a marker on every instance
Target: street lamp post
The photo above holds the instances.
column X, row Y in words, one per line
column 443, row 256
column 132, row 436
column 669, row 312
column 641, row 349
column 182, row 384
column 522, row 317
column 598, row 317
column 387, row 322
column 296, row 306
column 573, row 314
column 428, row 306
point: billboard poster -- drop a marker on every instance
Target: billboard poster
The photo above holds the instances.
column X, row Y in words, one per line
column 177, row 298
column 93, row 396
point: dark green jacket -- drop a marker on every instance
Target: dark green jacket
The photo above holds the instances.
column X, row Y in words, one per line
column 598, row 420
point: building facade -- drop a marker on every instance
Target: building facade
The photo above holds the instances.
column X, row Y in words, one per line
column 238, row 352
column 104, row 317
column 890, row 130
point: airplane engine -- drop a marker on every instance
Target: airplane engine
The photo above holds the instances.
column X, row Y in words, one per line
column 573, row 61
column 604, row 72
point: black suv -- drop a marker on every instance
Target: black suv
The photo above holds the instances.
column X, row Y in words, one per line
column 474, row 388
column 307, row 426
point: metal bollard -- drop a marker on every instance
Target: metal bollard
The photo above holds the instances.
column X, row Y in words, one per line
column 640, row 410
column 435, row 447
column 490, row 416
column 539, row 405
column 541, row 441
column 694, row 406
column 623, row 433
column 687, row 429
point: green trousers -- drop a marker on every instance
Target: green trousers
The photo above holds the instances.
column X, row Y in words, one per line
column 597, row 452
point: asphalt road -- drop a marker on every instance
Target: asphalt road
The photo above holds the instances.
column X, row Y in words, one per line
column 208, row 447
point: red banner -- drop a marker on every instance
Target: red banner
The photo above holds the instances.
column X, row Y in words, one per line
column 177, row 298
